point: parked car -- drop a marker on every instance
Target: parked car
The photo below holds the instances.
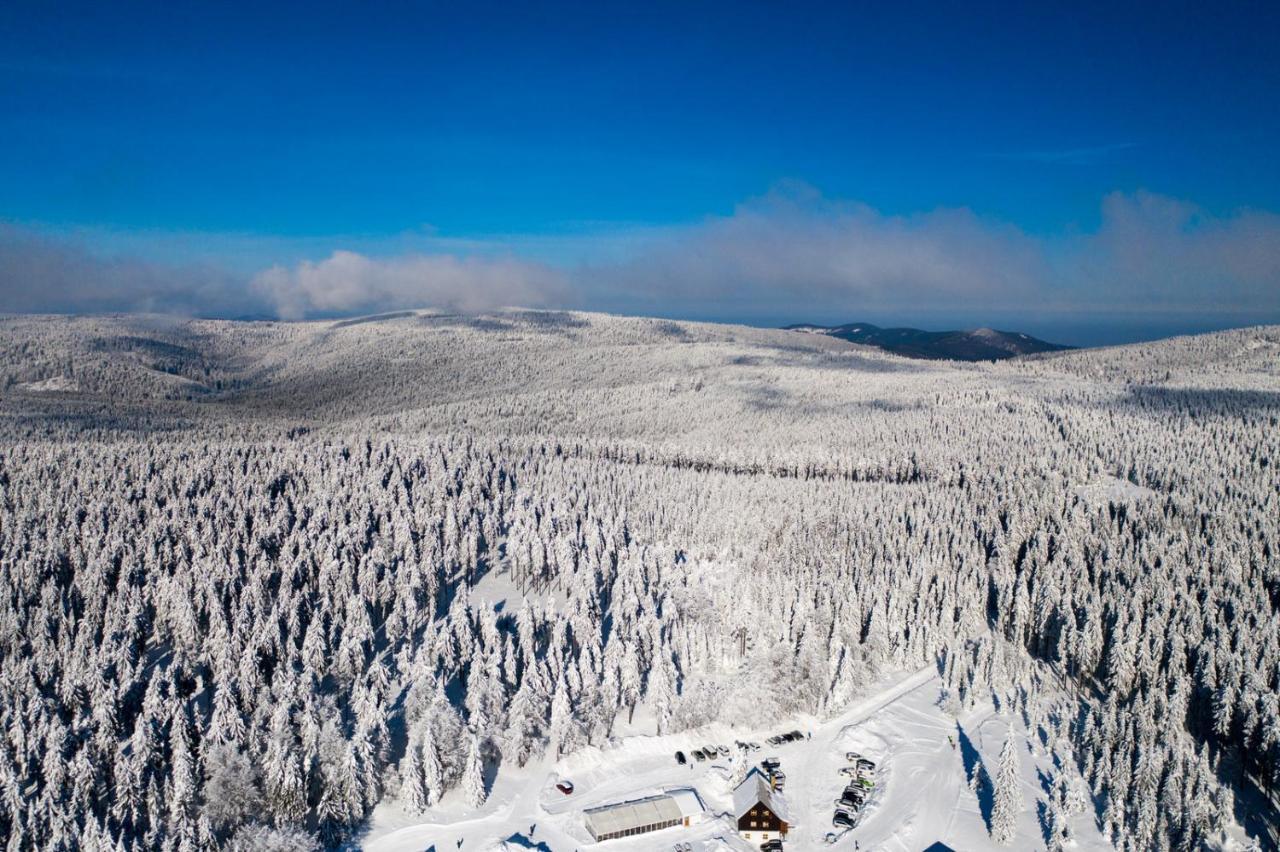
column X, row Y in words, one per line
column 774, row 845
column 851, row 771
column 565, row 787
column 796, row 735
column 710, row 750
column 774, row 741
column 753, row 746
column 681, row 759
column 842, row 820
column 865, row 783
column 698, row 755
column 849, row 801
column 852, row 756
column 770, row 763
column 863, row 763
column 724, row 750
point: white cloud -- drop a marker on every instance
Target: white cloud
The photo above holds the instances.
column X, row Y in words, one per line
column 794, row 250
column 795, row 245
column 42, row 274
column 1162, row 254
column 790, row 253
column 347, row 282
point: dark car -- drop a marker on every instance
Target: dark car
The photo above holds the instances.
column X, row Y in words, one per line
column 796, row 735
column 770, row 763
column 849, row 801
column 681, row 759
column 698, row 755
column 774, row 845
column 842, row 820
column 565, row 787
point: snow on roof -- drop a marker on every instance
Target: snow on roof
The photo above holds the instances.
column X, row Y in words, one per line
column 687, row 800
column 608, row 819
column 755, row 788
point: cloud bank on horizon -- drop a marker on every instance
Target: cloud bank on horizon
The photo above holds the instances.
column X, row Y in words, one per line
column 791, row 249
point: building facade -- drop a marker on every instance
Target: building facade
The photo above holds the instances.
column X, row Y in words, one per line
column 759, row 808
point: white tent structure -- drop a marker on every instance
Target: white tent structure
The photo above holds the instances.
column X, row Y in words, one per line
column 627, row 819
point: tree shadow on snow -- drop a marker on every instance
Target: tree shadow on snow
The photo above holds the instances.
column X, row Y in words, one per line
column 1046, row 783
column 1042, row 814
column 973, row 764
column 520, row 840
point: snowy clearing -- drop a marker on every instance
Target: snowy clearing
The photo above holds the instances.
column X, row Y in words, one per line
column 921, row 795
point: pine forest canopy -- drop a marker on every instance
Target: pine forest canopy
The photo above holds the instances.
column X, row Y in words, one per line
column 243, row 565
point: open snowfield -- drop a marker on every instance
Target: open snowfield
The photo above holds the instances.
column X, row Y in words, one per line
column 921, row 797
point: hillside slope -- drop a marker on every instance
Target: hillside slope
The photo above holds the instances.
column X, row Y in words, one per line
column 983, row 344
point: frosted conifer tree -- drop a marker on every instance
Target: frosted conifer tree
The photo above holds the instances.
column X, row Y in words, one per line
column 473, row 777
column 561, row 722
column 432, row 771
column 1008, row 795
column 413, row 788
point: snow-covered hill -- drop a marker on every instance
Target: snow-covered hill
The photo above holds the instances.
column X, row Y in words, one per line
column 295, row 584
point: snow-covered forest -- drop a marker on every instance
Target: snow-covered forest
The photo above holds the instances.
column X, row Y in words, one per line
column 244, row 566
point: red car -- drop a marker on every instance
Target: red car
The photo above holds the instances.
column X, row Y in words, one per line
column 565, row 787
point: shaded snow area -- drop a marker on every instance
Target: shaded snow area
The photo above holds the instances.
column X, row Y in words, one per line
column 921, row 796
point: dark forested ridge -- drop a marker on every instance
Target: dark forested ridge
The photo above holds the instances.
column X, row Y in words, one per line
column 244, row 567
column 983, row 344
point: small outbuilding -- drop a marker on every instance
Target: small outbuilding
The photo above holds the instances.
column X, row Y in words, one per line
column 627, row 819
column 761, row 810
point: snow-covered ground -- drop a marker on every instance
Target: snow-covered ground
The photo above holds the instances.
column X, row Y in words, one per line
column 922, row 797
column 1112, row 489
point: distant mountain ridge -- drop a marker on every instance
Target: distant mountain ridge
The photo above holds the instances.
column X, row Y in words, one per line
column 983, row 344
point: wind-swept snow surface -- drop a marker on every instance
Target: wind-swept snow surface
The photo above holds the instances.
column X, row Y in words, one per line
column 390, row 582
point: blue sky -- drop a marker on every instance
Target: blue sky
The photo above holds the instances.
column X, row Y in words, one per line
column 611, row 151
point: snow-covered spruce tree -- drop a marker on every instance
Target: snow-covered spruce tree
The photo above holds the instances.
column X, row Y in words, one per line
column 473, row 777
column 1008, row 795
column 413, row 786
column 432, row 771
